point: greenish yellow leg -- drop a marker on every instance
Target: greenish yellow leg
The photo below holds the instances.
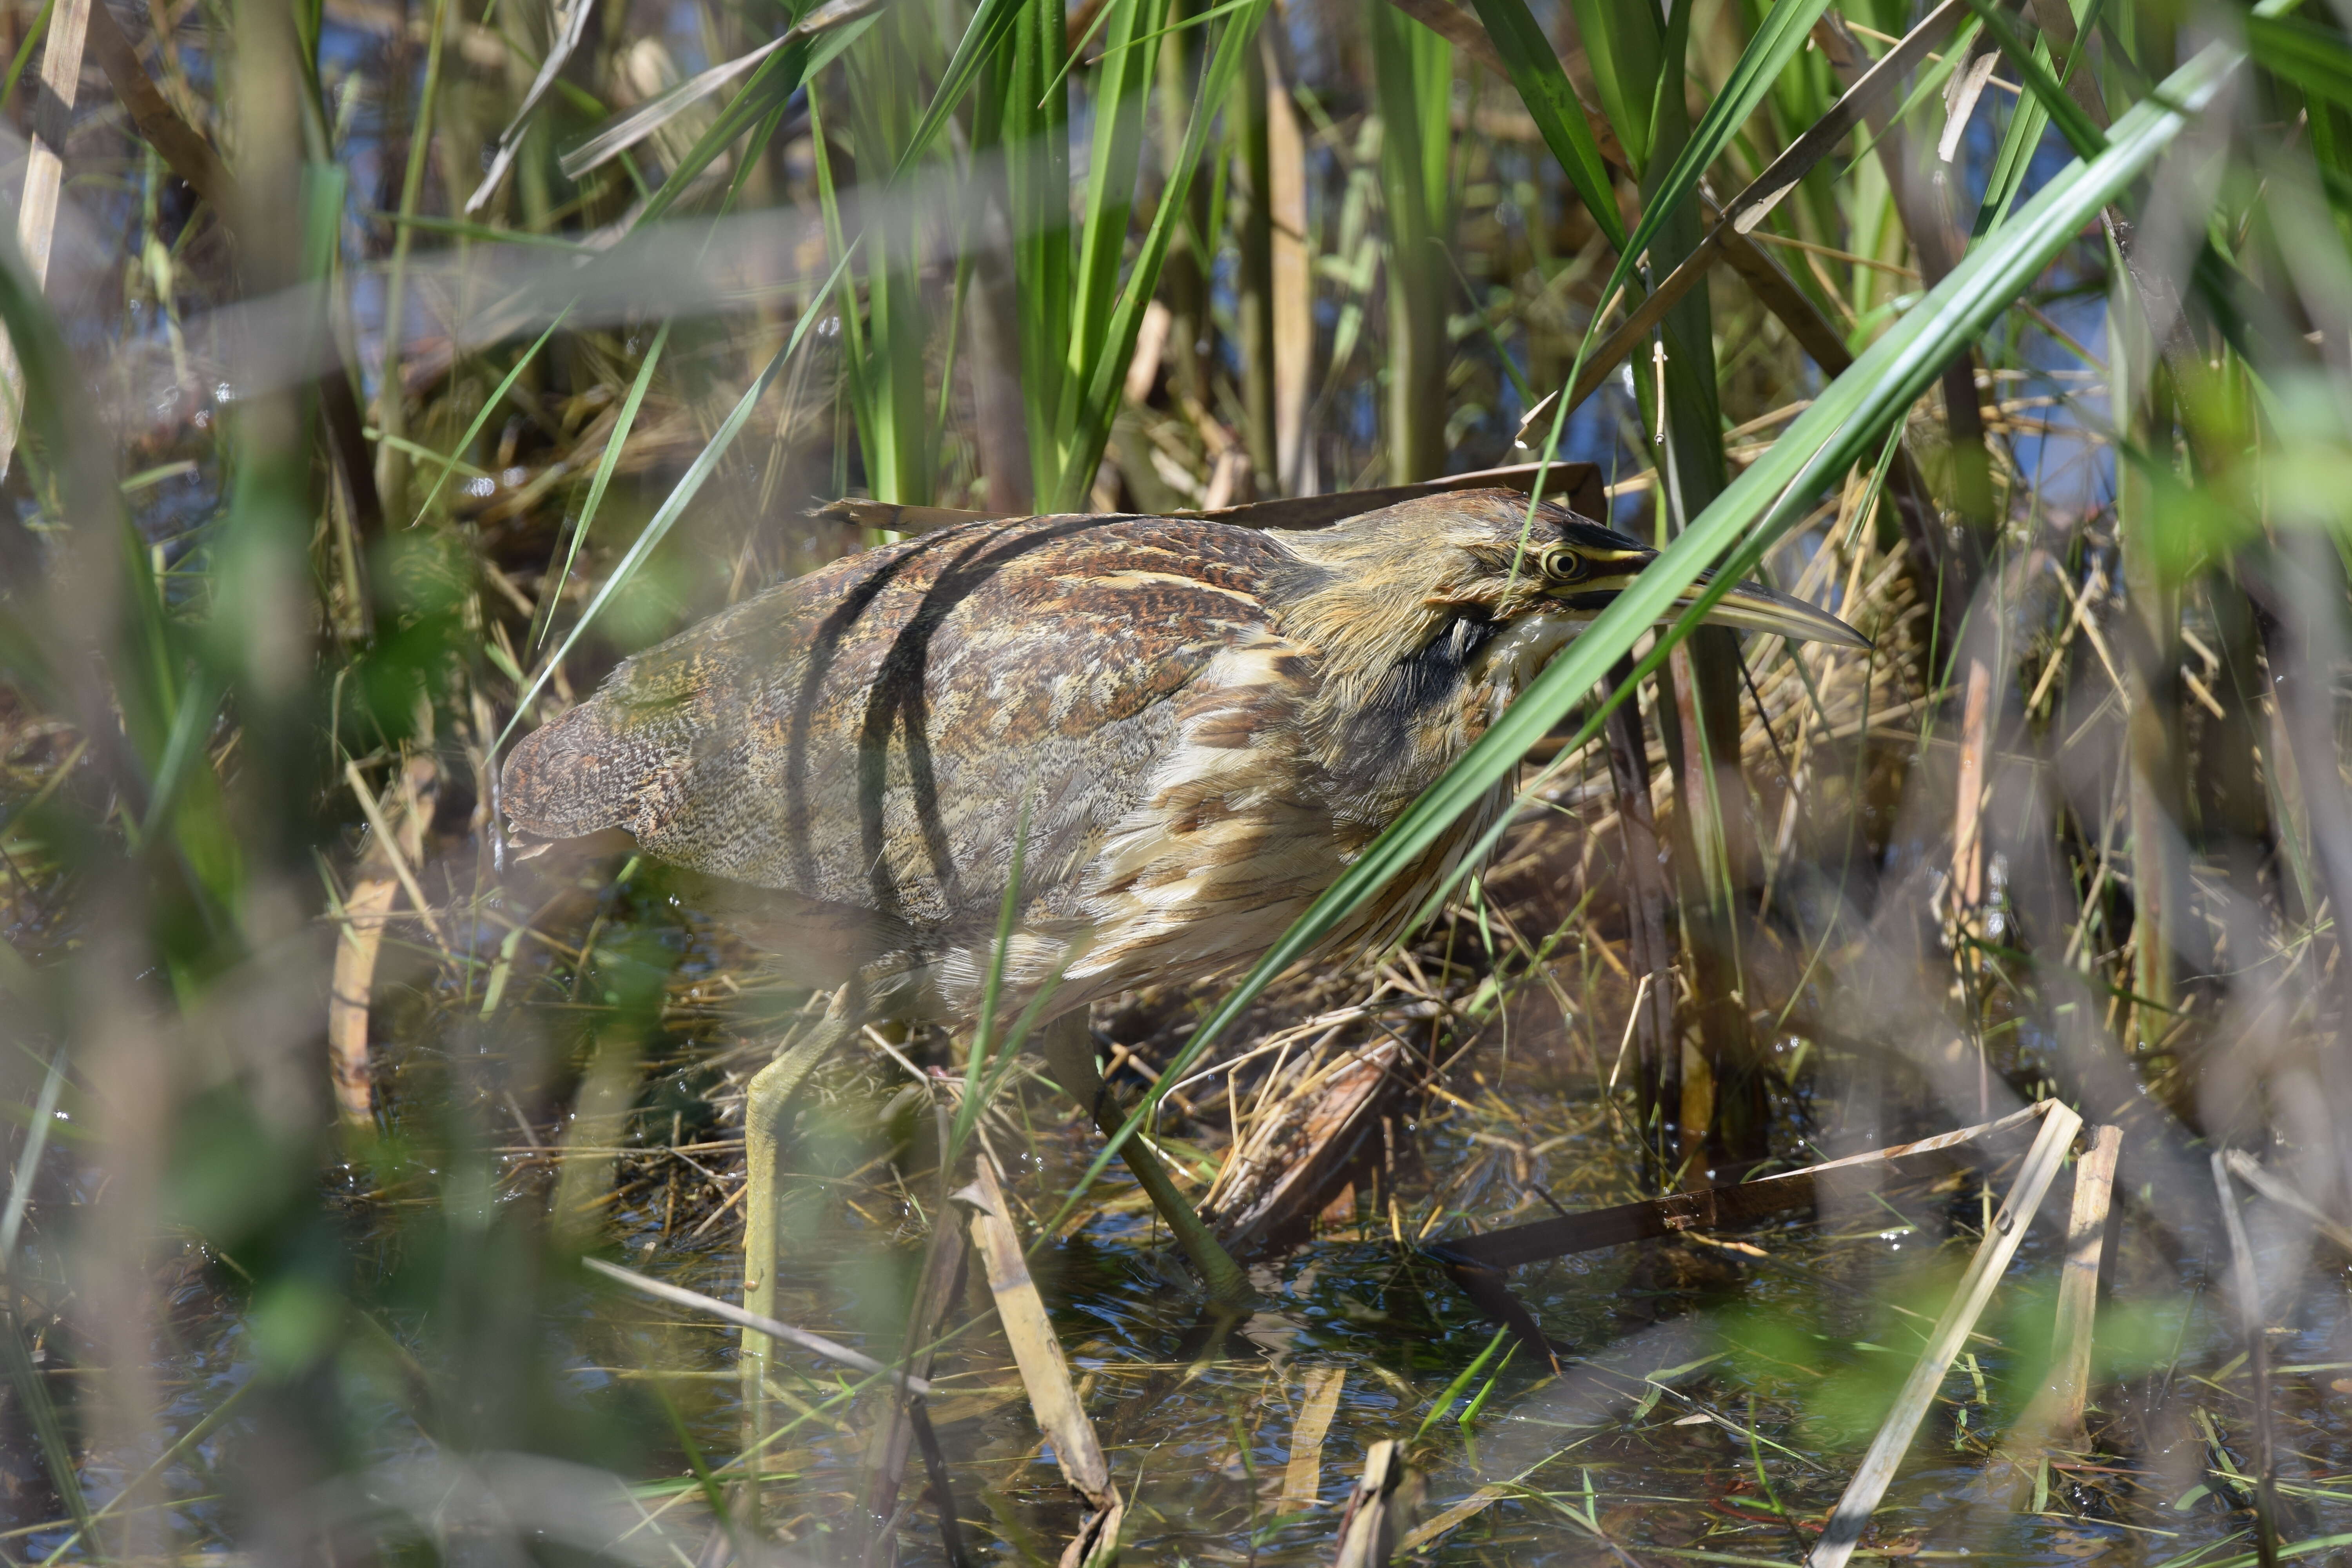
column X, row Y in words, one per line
column 1069, row 1052
column 766, row 1103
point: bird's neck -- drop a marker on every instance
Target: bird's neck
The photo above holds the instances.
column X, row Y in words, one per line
column 1389, row 715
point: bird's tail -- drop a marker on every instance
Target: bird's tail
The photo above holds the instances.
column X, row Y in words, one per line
column 573, row 777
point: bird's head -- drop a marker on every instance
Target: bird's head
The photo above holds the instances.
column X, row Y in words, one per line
column 1465, row 579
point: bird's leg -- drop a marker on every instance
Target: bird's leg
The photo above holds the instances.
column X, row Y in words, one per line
column 766, row 1103
column 1070, row 1049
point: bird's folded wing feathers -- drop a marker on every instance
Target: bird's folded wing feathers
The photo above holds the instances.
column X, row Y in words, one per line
column 879, row 735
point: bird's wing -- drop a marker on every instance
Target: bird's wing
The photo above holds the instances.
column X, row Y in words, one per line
column 876, row 737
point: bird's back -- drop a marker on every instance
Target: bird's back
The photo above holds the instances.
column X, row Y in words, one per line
column 873, row 738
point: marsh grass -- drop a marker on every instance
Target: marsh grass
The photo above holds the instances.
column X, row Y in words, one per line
column 342, row 463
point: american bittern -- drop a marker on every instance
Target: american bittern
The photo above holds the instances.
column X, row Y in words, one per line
column 1193, row 727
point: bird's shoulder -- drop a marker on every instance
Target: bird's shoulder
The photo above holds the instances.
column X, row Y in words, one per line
column 1058, row 593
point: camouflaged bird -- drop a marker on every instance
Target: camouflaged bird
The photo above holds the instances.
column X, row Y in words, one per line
column 1186, row 731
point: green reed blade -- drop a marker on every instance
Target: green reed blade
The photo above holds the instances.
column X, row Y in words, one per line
column 775, row 80
column 1028, row 127
column 1469, row 1416
column 1412, row 90
column 1112, row 172
column 2316, row 58
column 145, row 666
column 1095, row 27
column 1102, row 379
column 1621, row 46
column 2216, row 280
column 462, row 228
column 56, row 1451
column 893, row 417
column 2014, row 160
column 451, row 463
column 33, row 36
column 992, row 991
column 1558, row 113
column 1841, row 425
column 992, row 24
column 1776, row 43
column 552, row 590
column 1453, row 1390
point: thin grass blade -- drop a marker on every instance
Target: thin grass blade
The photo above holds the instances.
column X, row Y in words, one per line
column 622, row 426
column 449, row 463
column 681, row 496
column 983, row 1034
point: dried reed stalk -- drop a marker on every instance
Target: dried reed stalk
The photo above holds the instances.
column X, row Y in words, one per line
column 1379, row 1510
column 1044, row 1370
column 2078, row 1286
column 2054, row 1416
column 44, row 169
column 1846, row 1521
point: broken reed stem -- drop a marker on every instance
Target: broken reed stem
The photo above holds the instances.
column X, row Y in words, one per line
column 1967, row 862
column 2055, row 1417
column 1044, row 1370
column 382, row 828
column 2246, row 1291
column 2078, row 1285
column 1376, row 1509
column 1871, row 1478
column 359, row 940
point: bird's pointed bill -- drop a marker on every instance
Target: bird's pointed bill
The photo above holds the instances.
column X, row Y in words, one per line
column 1611, row 569
column 1752, row 607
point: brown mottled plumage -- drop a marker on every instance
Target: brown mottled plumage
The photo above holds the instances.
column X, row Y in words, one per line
column 1192, row 728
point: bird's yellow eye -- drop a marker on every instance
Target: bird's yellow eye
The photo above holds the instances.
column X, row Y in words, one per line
column 1562, row 564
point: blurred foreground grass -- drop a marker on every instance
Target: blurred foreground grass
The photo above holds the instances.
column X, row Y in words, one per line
column 388, row 372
